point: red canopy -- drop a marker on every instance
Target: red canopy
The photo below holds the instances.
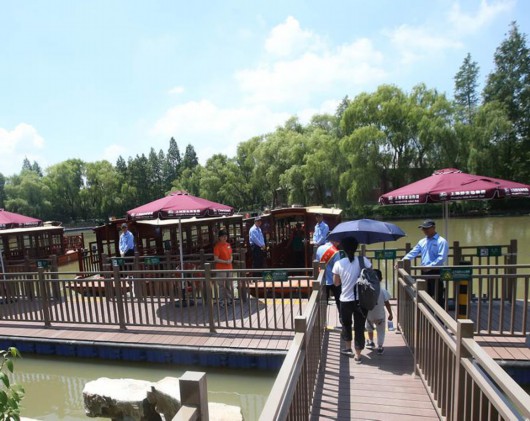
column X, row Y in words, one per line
column 451, row 184
column 15, row 220
column 179, row 204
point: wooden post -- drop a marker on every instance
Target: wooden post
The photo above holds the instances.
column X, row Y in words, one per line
column 421, row 285
column 202, row 258
column 510, row 281
column 209, row 294
column 45, row 297
column 464, row 329
column 119, row 297
column 194, row 392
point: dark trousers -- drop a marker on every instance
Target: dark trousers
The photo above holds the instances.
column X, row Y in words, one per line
column 352, row 313
column 435, row 286
column 129, row 253
column 257, row 259
column 335, row 290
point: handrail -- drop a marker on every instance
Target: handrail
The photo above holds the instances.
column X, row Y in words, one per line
column 463, row 380
column 297, row 375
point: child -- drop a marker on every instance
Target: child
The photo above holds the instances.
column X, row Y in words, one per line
column 376, row 317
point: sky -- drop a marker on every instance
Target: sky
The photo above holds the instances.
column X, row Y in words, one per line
column 100, row 79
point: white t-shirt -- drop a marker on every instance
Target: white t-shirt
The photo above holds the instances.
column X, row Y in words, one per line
column 378, row 312
column 349, row 273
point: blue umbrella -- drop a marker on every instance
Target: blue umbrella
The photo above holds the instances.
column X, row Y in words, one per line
column 366, row 231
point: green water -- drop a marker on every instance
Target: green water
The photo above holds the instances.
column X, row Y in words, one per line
column 54, row 386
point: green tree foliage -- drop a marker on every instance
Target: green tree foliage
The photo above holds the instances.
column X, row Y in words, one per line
column 29, row 194
column 10, row 394
column 190, row 160
column 2, row 191
column 101, row 196
column 65, row 181
column 466, row 95
column 509, row 84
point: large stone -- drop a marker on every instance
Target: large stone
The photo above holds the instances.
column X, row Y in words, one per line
column 119, row 399
column 165, row 396
column 223, row 412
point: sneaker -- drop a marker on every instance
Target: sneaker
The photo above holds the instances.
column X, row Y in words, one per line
column 347, row 351
column 380, row 350
column 370, row 344
column 357, row 359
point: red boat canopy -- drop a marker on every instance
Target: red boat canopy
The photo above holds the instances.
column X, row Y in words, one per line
column 179, row 204
column 452, row 184
column 15, row 220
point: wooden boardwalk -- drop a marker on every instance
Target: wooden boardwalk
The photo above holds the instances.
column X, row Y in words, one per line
column 382, row 387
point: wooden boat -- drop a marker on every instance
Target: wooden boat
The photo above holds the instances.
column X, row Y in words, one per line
column 38, row 244
column 280, row 225
column 160, row 236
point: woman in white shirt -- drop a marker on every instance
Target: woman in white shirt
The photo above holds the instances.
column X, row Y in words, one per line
column 345, row 273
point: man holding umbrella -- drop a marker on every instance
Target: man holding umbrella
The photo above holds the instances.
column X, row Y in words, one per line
column 434, row 250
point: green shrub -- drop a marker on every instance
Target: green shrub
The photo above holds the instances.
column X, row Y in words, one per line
column 10, row 394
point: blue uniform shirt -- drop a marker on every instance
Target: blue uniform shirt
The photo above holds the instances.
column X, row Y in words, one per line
column 433, row 251
column 321, row 233
column 126, row 242
column 255, row 236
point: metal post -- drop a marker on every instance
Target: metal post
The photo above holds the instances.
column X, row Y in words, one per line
column 45, row 297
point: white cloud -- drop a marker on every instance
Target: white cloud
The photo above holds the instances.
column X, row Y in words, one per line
column 211, row 129
column 22, row 142
column 288, row 38
column 487, row 12
column 418, row 43
column 176, row 90
column 299, row 79
column 112, row 152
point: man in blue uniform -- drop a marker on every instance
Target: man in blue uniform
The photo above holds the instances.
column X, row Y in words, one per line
column 434, row 250
column 257, row 245
column 126, row 241
column 320, row 233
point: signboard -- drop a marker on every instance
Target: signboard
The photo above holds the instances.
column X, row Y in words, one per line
column 385, row 254
column 489, row 251
column 275, row 275
column 458, row 274
column 118, row 261
column 43, row 263
column 152, row 260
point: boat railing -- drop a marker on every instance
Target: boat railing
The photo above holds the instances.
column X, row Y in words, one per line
column 463, row 380
column 292, row 394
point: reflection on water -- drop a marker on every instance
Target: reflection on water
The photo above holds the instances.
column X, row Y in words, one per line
column 54, row 386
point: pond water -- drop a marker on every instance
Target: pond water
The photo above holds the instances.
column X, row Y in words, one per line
column 54, row 386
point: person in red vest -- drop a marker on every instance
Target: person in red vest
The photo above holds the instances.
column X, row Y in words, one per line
column 328, row 254
column 222, row 256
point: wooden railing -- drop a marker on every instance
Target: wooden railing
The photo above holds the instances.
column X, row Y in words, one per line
column 464, row 382
column 495, row 297
column 482, row 255
column 291, row 396
column 158, row 298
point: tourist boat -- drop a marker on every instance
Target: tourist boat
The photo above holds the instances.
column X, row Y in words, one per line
column 280, row 225
column 158, row 237
column 37, row 244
